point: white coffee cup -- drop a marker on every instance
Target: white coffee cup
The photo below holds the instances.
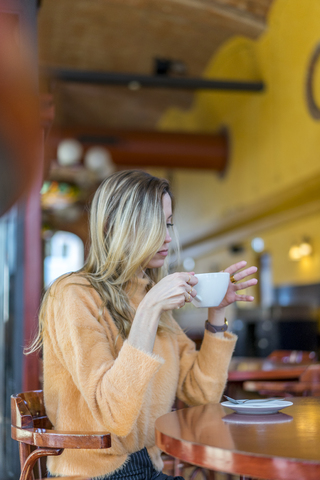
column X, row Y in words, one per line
column 211, row 289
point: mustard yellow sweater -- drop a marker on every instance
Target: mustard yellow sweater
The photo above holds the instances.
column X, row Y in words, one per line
column 95, row 381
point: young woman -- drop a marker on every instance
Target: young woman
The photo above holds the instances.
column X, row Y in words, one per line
column 114, row 358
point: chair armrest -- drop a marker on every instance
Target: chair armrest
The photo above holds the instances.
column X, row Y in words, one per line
column 56, row 439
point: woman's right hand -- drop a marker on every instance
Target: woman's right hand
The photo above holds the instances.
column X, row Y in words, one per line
column 172, row 292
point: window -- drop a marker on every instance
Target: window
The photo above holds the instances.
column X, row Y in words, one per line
column 64, row 253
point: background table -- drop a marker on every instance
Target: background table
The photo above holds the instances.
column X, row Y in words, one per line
column 277, row 451
column 242, row 369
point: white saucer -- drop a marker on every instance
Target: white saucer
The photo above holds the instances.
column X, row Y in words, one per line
column 258, row 408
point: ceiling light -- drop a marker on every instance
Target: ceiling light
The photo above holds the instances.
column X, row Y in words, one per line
column 294, row 253
column 305, row 248
column 69, row 152
column 257, row 244
column 98, row 160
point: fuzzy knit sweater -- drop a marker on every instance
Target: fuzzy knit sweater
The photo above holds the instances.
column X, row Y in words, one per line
column 95, row 381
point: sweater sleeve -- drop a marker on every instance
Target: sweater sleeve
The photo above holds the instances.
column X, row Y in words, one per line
column 204, row 373
column 113, row 388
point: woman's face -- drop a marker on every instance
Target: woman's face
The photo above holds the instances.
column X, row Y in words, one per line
column 158, row 260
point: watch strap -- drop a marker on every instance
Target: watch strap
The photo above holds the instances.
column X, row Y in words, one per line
column 216, row 328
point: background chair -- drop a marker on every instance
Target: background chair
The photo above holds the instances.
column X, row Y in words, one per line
column 31, row 427
column 307, row 385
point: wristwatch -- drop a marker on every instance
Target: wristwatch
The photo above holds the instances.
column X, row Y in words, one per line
column 216, row 328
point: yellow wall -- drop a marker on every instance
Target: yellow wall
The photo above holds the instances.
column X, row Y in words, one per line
column 275, row 143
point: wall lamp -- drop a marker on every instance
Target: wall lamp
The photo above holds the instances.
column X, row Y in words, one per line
column 300, row 250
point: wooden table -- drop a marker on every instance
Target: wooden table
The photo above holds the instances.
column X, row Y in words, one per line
column 283, row 446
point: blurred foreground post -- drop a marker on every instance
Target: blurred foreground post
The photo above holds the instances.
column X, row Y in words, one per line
column 20, row 182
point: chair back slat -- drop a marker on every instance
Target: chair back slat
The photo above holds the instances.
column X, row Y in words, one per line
column 34, row 401
column 20, row 414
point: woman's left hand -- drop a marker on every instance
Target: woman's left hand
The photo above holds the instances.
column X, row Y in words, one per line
column 239, row 283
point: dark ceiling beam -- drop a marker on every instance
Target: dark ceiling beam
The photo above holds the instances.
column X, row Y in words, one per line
column 135, row 81
column 131, row 149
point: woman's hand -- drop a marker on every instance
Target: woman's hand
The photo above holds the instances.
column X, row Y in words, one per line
column 172, row 292
column 240, row 282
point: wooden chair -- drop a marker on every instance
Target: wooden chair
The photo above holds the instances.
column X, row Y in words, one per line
column 31, row 427
column 293, row 356
column 307, row 385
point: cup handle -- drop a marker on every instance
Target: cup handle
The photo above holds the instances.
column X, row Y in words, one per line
column 197, row 297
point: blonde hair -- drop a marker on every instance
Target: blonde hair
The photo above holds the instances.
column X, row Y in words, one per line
column 127, row 228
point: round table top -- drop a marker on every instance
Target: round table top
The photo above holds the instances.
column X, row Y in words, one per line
column 280, row 446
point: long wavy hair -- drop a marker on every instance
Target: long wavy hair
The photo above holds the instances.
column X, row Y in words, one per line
column 127, row 228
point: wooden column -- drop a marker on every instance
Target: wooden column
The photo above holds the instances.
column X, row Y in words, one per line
column 32, row 282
